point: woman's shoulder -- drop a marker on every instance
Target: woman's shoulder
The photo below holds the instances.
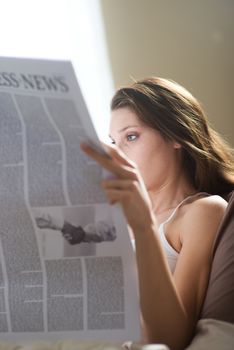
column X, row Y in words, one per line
column 204, row 214
column 209, row 204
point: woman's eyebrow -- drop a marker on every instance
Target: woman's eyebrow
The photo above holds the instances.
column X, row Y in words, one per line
column 125, row 128
column 128, row 127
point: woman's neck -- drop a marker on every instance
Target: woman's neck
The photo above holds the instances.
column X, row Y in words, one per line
column 170, row 194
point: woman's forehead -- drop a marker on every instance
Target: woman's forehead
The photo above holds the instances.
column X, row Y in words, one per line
column 122, row 118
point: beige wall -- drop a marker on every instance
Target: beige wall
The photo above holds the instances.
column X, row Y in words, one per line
column 189, row 41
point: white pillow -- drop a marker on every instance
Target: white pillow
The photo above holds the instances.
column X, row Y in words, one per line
column 213, row 335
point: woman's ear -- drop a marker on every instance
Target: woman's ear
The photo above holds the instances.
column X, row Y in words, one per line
column 176, row 145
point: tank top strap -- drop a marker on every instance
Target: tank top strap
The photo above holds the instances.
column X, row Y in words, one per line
column 182, row 202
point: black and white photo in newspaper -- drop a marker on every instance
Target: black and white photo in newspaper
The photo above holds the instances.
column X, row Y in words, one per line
column 67, row 267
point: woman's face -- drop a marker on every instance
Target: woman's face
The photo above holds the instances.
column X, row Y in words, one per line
column 155, row 157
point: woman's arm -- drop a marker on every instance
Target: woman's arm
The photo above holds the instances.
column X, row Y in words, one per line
column 165, row 318
column 171, row 305
column 198, row 231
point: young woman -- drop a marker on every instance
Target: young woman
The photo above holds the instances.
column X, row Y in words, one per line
column 171, row 171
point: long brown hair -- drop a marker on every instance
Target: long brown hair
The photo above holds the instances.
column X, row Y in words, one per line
column 169, row 108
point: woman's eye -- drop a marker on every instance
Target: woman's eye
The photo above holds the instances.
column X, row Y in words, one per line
column 131, row 137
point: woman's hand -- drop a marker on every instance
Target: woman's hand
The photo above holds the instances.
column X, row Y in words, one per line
column 127, row 188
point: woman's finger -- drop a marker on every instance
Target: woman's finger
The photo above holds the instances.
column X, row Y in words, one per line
column 115, row 196
column 119, row 184
column 108, row 163
column 117, row 154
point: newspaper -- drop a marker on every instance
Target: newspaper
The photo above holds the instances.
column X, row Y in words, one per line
column 67, row 267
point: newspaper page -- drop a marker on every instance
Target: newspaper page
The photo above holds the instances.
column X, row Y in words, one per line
column 67, row 267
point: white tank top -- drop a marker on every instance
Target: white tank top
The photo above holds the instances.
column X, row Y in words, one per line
column 171, row 253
